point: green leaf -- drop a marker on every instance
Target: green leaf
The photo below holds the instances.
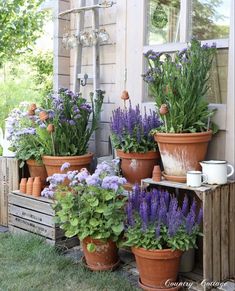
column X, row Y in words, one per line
column 91, row 247
column 74, row 222
column 108, row 196
column 94, row 222
column 117, row 229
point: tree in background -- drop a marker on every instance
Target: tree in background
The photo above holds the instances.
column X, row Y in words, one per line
column 21, row 23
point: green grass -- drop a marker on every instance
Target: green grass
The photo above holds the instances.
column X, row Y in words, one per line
column 28, row 263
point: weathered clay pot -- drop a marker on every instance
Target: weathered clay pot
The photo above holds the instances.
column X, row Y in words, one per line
column 105, row 257
column 137, row 166
column 54, row 163
column 157, row 267
column 181, row 152
column 37, row 187
column 37, row 170
column 23, row 184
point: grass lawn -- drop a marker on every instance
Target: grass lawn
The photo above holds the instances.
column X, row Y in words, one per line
column 27, row 263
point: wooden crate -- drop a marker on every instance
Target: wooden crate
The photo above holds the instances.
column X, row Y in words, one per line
column 218, row 246
column 9, row 180
column 35, row 215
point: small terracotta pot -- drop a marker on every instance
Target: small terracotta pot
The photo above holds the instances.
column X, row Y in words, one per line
column 181, row 152
column 157, row 174
column 23, row 183
column 37, row 187
column 105, row 256
column 37, row 170
column 156, row 267
column 29, row 186
column 54, row 163
column 137, row 166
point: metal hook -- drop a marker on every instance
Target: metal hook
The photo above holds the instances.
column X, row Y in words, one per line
column 84, row 81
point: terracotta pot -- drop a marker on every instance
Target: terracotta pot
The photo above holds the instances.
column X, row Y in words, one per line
column 23, row 184
column 157, row 267
column 29, row 186
column 157, row 174
column 37, row 170
column 37, row 187
column 105, row 256
column 54, row 163
column 137, row 166
column 181, row 152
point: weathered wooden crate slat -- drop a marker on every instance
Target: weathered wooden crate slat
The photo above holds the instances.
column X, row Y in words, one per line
column 9, row 180
column 63, row 242
column 27, row 201
column 232, row 231
column 218, row 202
column 35, row 215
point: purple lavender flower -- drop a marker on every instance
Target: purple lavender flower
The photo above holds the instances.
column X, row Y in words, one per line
column 190, row 221
column 47, row 193
column 72, row 122
column 185, row 206
column 144, row 214
column 65, row 166
column 129, row 212
column 130, row 124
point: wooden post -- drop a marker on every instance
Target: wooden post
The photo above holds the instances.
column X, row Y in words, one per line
column 216, row 234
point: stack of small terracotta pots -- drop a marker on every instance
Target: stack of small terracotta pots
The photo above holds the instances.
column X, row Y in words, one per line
column 31, row 186
column 157, row 174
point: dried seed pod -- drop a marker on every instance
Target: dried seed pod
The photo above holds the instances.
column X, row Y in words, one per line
column 125, row 95
column 31, row 112
column 32, row 106
column 50, row 128
column 163, row 109
column 43, row 115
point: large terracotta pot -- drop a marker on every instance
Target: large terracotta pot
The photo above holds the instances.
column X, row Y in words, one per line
column 157, row 268
column 54, row 163
column 137, row 166
column 105, row 256
column 37, row 170
column 181, row 152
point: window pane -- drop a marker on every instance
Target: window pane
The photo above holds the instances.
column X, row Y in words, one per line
column 162, row 21
column 210, row 19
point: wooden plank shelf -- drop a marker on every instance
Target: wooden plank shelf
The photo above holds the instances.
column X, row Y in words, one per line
column 218, row 247
column 35, row 215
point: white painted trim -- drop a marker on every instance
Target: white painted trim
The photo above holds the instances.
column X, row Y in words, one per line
column 172, row 47
column 230, row 126
column 185, row 21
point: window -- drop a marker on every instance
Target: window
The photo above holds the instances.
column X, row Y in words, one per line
column 170, row 24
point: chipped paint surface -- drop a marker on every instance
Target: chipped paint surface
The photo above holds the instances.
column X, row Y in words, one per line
column 134, row 164
column 176, row 164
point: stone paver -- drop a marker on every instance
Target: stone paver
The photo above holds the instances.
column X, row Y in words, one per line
column 3, row 229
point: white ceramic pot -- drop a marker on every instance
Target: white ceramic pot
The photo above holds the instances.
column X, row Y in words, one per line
column 216, row 171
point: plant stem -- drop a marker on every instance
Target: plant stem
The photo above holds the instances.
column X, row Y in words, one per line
column 53, row 144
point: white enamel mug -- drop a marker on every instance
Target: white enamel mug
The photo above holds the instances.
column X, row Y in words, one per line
column 196, row 178
column 217, row 171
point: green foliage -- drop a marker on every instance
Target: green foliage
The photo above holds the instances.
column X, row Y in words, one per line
column 181, row 83
column 148, row 239
column 90, row 211
column 74, row 121
column 23, row 135
column 42, row 64
column 21, row 24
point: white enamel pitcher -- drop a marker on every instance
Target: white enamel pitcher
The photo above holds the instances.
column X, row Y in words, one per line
column 216, row 171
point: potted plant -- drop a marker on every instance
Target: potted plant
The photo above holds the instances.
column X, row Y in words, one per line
column 90, row 207
column 130, row 134
column 67, row 124
column 28, row 145
column 179, row 85
column 159, row 230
